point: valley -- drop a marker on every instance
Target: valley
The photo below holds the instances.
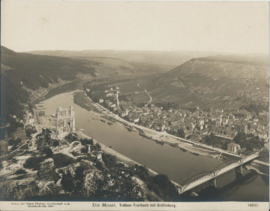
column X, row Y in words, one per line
column 135, row 96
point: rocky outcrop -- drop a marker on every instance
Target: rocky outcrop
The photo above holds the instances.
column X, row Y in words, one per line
column 91, row 180
column 77, row 150
column 68, row 170
column 47, row 171
column 144, row 192
column 32, row 189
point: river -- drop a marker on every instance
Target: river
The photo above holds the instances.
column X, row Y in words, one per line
column 175, row 163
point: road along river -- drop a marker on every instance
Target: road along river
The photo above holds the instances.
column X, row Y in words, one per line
column 162, row 158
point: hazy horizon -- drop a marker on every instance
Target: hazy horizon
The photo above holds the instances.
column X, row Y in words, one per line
column 156, row 51
column 219, row 27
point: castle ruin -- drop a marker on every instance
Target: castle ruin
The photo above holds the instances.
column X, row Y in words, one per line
column 65, row 121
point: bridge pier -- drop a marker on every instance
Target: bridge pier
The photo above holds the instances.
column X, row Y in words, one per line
column 180, row 189
column 213, row 182
column 239, row 169
column 239, row 172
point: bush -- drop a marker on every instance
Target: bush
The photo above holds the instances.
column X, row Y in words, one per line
column 61, row 160
column 79, row 173
column 55, row 143
column 13, row 148
column 14, row 142
column 109, row 160
column 29, row 131
column 99, row 165
column 67, row 182
column 72, row 137
column 33, row 162
column 86, row 141
column 20, row 171
column 48, row 152
column 141, row 172
column 84, row 150
column 97, row 147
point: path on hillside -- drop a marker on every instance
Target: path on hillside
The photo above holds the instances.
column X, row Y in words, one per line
column 117, row 94
column 149, row 97
column 150, row 100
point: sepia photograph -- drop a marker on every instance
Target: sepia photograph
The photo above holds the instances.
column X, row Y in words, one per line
column 134, row 105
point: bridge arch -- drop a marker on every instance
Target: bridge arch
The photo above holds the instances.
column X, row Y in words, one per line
column 229, row 163
column 194, row 177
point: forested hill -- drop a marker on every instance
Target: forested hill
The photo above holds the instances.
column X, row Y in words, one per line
column 36, row 70
column 23, row 71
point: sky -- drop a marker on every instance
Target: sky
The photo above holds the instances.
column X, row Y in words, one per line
column 233, row 27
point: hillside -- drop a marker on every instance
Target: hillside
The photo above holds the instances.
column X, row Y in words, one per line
column 22, row 74
column 163, row 59
column 34, row 71
column 227, row 66
column 113, row 66
column 26, row 75
column 220, row 82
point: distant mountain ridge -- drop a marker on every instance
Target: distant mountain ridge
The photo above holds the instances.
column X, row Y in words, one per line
column 227, row 81
column 163, row 59
column 226, row 66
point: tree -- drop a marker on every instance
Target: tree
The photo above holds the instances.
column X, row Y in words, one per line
column 168, row 191
column 249, row 142
column 240, row 139
column 28, row 132
column 181, row 133
column 97, row 147
column 67, row 182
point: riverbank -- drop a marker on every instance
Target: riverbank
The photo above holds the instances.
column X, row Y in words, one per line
column 162, row 158
column 174, row 142
column 120, row 157
column 34, row 99
column 159, row 137
column 63, row 86
column 80, row 98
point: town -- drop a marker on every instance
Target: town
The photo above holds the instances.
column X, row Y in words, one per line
column 216, row 127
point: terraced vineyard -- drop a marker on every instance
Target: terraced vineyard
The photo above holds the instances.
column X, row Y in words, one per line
column 219, row 84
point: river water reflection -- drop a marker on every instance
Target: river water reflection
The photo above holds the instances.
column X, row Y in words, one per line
column 165, row 159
